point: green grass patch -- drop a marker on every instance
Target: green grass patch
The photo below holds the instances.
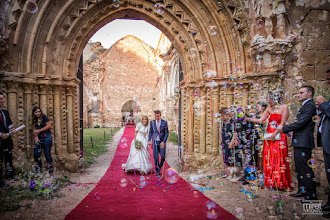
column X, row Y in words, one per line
column 95, row 141
column 173, row 137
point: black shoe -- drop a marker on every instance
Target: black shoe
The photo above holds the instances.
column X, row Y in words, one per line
column 326, row 215
column 241, row 179
column 298, row 194
column 325, row 208
column 245, row 182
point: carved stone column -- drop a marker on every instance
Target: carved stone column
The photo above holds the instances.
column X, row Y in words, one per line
column 69, row 106
column 184, row 119
column 202, row 118
column 191, row 121
column 215, row 131
column 229, row 97
column 12, row 108
column 28, row 120
column 196, row 123
column 57, row 122
column 245, row 97
column 209, row 121
column 43, row 99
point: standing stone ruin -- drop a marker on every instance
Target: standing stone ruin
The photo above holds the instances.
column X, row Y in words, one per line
column 230, row 52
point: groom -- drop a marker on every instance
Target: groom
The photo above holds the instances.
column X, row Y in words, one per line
column 158, row 134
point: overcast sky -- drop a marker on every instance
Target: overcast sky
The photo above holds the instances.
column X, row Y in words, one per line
column 119, row 28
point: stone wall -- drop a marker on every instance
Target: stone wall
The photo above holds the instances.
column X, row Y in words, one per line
column 129, row 70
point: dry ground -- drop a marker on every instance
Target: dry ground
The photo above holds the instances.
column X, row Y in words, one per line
column 224, row 192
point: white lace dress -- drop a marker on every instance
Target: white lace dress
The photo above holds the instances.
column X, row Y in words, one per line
column 139, row 160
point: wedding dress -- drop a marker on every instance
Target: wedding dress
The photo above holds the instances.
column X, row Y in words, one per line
column 139, row 159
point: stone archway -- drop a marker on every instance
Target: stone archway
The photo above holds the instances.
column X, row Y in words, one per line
column 40, row 55
column 131, row 109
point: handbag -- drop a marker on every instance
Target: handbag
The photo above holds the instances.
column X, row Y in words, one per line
column 268, row 135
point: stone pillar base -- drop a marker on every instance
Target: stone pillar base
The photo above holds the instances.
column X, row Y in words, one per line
column 196, row 161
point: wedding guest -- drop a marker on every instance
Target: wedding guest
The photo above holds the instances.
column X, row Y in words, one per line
column 260, row 130
column 6, row 142
column 261, row 107
column 276, row 168
column 303, row 143
column 43, row 138
column 226, row 137
column 324, row 138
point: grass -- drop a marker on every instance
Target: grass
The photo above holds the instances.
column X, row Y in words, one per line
column 173, row 137
column 95, row 141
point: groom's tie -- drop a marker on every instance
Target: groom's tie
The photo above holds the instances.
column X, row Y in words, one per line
column 157, row 126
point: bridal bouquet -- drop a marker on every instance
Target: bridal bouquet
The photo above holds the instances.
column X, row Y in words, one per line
column 138, row 145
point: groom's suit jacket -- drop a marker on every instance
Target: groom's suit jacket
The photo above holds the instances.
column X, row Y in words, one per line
column 303, row 127
column 324, row 137
column 162, row 133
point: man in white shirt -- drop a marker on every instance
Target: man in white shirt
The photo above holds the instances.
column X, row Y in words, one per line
column 158, row 134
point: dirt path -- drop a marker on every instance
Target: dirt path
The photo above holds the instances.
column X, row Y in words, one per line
column 226, row 193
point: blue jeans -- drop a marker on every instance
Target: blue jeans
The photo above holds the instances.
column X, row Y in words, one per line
column 45, row 143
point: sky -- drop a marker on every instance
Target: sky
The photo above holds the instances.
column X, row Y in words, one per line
column 119, row 28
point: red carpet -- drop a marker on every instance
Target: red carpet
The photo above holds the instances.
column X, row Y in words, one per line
column 158, row 199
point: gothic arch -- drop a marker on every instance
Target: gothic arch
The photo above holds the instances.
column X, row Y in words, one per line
column 50, row 41
column 41, row 53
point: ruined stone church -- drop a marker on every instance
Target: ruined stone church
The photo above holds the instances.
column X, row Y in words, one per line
column 223, row 53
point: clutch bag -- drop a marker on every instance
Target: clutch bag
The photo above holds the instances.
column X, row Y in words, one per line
column 268, row 135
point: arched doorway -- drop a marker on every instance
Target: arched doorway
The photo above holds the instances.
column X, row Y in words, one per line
column 131, row 112
column 46, row 59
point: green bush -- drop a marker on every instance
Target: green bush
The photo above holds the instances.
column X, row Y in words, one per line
column 173, row 137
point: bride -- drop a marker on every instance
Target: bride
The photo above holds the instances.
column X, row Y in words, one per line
column 139, row 159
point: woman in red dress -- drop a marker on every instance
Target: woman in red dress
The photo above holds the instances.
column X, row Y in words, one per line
column 276, row 165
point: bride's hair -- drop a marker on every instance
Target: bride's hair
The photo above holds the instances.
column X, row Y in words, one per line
column 146, row 118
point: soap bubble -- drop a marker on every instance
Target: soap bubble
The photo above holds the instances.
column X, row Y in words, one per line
column 316, row 118
column 212, row 30
column 303, row 154
column 123, row 182
column 123, row 142
column 212, row 210
column 250, row 174
column 231, row 160
column 303, row 189
column 192, row 53
column 312, row 163
column 196, row 193
column 260, row 23
column 210, row 74
column 211, row 84
column 159, row 8
column 171, row 176
column 31, row 6
column 116, row 3
column 282, row 145
column 142, row 181
column 192, row 31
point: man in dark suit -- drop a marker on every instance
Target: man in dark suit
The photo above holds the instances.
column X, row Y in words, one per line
column 6, row 143
column 324, row 137
column 303, row 143
column 158, row 134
